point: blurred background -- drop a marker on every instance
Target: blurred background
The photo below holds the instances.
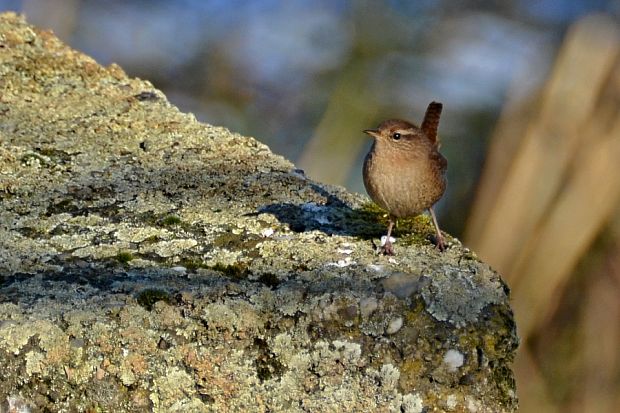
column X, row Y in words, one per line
column 531, row 130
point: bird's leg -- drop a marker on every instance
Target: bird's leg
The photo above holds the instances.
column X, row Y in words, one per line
column 440, row 241
column 387, row 248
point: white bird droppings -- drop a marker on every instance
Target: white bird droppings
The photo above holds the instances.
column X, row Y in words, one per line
column 394, row 326
column 453, row 359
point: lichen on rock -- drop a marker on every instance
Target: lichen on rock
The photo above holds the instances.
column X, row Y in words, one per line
column 149, row 262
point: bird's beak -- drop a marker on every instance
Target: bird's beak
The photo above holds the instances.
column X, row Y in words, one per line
column 372, row 132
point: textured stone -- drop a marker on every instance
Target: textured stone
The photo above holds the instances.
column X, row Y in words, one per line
column 149, row 262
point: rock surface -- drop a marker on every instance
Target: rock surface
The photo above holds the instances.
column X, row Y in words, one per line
column 149, row 262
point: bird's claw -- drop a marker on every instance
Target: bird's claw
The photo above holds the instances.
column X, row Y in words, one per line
column 387, row 249
column 440, row 244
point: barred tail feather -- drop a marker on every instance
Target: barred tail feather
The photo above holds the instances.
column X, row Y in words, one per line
column 431, row 120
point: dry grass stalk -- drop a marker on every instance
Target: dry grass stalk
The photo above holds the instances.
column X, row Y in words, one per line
column 535, row 176
column 601, row 339
column 509, row 131
column 338, row 139
column 538, row 214
column 585, row 204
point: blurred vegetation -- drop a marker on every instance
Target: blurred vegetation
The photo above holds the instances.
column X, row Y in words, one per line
column 547, row 217
column 531, row 91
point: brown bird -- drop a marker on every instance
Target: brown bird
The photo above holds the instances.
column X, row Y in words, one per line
column 404, row 173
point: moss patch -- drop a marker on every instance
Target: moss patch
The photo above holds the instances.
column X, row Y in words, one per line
column 269, row 279
column 370, row 221
column 267, row 364
column 170, row 220
column 236, row 270
column 367, row 222
column 147, row 298
column 32, row 158
column 192, row 264
column 245, row 241
column 124, row 257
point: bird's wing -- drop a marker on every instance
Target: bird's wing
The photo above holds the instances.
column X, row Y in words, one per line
column 439, row 160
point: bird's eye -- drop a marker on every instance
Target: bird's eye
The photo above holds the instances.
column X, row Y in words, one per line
column 396, row 136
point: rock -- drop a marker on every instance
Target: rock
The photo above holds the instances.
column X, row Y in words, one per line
column 151, row 262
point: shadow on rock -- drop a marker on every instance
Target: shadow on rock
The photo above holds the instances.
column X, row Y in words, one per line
column 334, row 217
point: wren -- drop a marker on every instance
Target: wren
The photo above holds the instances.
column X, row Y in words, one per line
column 404, row 173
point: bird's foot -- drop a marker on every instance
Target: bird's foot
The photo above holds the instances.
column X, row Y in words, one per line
column 387, row 248
column 384, row 248
column 440, row 243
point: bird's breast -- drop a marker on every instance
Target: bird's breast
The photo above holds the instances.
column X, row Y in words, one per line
column 404, row 186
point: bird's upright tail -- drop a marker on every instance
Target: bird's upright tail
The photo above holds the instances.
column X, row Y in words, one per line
column 431, row 121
